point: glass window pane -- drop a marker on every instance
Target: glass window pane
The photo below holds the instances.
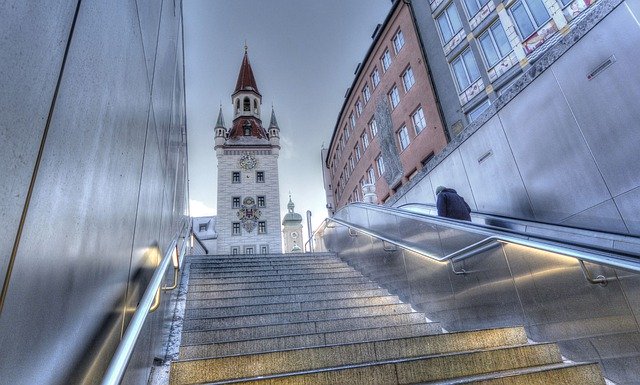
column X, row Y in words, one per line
column 472, row 7
column 501, row 39
column 539, row 11
column 489, row 49
column 525, row 26
column 461, row 74
column 444, row 28
column 454, row 18
column 472, row 67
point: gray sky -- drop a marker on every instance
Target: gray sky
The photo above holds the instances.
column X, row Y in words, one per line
column 303, row 54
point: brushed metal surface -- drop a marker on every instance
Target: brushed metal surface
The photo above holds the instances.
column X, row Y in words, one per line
column 34, row 37
column 451, row 173
column 605, row 214
column 493, row 174
column 556, row 165
column 112, row 183
column 149, row 13
column 629, row 206
column 606, row 107
column 511, row 285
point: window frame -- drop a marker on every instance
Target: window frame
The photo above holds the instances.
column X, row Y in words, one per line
column 419, row 111
column 403, row 137
column 235, row 202
column 380, row 164
column 478, row 3
column 371, row 175
column 236, row 229
column 398, row 37
column 394, row 97
column 365, row 140
column 358, row 108
column 235, row 177
column 373, row 127
column 375, row 77
column 385, row 60
column 532, row 19
column 260, row 176
column 490, row 32
column 261, row 201
column 366, row 93
column 262, row 227
column 461, row 59
column 408, row 74
column 445, row 12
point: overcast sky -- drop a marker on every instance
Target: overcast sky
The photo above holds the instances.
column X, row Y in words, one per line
column 303, row 54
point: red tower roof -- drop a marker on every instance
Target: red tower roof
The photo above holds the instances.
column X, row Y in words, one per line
column 246, row 81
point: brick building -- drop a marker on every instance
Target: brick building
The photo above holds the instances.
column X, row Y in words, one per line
column 389, row 125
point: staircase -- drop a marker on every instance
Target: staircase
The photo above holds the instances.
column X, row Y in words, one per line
column 313, row 319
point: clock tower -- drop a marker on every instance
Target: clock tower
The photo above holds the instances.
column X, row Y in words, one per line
column 248, row 213
column 292, row 230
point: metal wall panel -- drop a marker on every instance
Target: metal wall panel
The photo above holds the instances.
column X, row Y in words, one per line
column 95, row 209
column 557, row 168
column 605, row 214
column 629, row 206
column 493, row 174
column 451, row 173
column 149, row 12
column 34, row 37
column 606, row 107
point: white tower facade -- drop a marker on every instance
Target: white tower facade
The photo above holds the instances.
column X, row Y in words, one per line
column 248, row 186
column 292, row 230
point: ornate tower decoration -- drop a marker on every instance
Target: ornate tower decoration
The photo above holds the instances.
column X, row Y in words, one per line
column 292, row 229
column 248, row 186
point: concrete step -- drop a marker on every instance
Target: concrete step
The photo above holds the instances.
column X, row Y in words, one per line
column 257, row 273
column 207, row 322
column 563, row 373
column 289, row 329
column 198, row 286
column 279, row 291
column 266, row 262
column 208, row 348
column 199, row 278
column 198, row 312
column 273, row 299
column 312, row 256
column 483, row 352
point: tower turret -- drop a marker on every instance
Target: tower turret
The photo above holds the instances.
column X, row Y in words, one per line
column 220, row 132
column 274, row 132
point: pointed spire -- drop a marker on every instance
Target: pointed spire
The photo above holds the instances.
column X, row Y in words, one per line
column 246, row 81
column 290, row 205
column 274, row 122
column 220, row 122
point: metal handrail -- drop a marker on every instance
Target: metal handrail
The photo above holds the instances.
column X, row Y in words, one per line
column 120, row 360
column 580, row 252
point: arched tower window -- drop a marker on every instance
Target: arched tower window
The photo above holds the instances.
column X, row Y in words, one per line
column 246, row 104
column 255, row 105
column 237, row 105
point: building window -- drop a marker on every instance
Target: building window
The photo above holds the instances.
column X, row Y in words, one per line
column 264, row 249
column 394, row 97
column 476, row 112
column 352, row 164
column 465, row 70
column 529, row 15
column 261, row 201
column 246, row 104
column 260, row 176
column 419, row 122
column 380, row 163
column 366, row 93
column 202, row 227
column 352, row 120
column 235, row 177
column 403, row 136
column 407, row 79
column 365, row 140
column 372, row 175
column 356, row 196
column 346, row 132
column 398, row 41
column 248, row 249
column 473, row 6
column 356, row 151
column 373, row 126
column 235, row 250
column 495, row 44
column 375, row 78
column 385, row 60
column 235, row 228
column 262, row 227
column 449, row 23
column 235, row 202
column 359, row 107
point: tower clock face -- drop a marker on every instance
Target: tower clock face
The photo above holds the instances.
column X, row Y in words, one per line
column 294, row 235
column 248, row 162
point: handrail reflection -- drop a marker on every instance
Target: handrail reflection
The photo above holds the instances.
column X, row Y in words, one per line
column 150, row 299
column 594, row 255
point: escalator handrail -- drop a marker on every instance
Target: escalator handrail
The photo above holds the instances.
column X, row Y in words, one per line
column 580, row 252
column 120, row 360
